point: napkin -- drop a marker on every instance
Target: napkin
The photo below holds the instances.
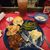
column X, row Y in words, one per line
column 2, row 15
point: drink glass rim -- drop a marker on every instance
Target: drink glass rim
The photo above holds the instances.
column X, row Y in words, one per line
column 22, row 0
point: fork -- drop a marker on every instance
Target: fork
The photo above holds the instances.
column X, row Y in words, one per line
column 27, row 39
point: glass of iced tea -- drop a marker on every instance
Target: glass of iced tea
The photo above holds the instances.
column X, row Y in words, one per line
column 22, row 4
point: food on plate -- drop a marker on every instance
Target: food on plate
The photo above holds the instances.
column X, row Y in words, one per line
column 41, row 18
column 9, row 19
column 14, row 38
column 29, row 25
column 15, row 41
column 0, row 33
column 35, row 35
column 12, row 29
column 18, row 21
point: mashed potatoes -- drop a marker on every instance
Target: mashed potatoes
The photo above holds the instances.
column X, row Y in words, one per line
column 35, row 34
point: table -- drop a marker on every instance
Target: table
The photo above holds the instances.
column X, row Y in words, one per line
column 4, row 23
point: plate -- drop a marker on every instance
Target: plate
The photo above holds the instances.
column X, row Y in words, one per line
column 23, row 47
column 41, row 14
column 37, row 27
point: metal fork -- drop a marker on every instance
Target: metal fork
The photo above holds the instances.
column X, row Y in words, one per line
column 27, row 39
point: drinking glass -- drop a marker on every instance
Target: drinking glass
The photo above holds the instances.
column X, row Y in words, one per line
column 22, row 4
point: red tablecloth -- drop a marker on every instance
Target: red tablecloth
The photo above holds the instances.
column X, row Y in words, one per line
column 4, row 23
